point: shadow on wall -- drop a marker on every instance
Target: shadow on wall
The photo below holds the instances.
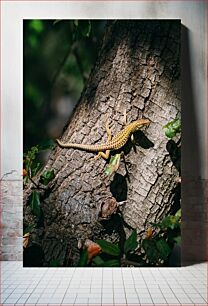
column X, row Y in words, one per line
column 194, row 234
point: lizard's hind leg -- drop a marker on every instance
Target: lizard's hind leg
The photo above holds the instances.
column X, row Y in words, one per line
column 103, row 155
column 107, row 152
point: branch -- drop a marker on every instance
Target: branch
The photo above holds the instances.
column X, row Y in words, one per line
column 57, row 73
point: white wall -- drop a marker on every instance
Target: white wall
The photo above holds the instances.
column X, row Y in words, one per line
column 194, row 106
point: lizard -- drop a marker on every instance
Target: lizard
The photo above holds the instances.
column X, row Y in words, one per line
column 112, row 144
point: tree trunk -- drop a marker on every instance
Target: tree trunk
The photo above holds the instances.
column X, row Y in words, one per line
column 138, row 70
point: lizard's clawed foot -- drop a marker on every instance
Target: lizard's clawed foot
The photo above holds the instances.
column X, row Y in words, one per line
column 98, row 156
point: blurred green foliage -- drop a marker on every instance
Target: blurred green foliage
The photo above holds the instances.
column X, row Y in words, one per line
column 58, row 57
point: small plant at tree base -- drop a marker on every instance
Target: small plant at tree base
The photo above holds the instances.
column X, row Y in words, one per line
column 31, row 168
column 31, row 165
column 153, row 250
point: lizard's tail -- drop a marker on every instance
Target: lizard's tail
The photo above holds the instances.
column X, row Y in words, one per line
column 84, row 147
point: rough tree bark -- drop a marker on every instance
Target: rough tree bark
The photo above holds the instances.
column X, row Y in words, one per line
column 138, row 69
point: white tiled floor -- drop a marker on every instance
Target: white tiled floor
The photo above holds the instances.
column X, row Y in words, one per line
column 103, row 286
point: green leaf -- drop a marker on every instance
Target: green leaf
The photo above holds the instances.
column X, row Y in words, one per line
column 47, row 176
column 176, row 124
column 112, row 263
column 108, row 247
column 163, row 248
column 98, row 261
column 171, row 222
column 31, row 154
column 83, row 259
column 168, row 222
column 178, row 214
column 170, row 133
column 54, row 263
column 83, row 26
column 28, row 229
column 156, row 250
column 57, row 21
column 131, row 243
column 35, row 168
column 151, row 250
column 32, row 92
column 177, row 240
column 113, row 164
column 35, row 203
column 36, row 25
column 172, row 128
column 30, row 163
column 154, row 224
column 76, row 23
column 33, row 41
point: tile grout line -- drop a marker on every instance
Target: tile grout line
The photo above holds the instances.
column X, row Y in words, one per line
column 135, row 286
column 69, row 285
column 35, row 286
column 122, row 269
column 147, row 287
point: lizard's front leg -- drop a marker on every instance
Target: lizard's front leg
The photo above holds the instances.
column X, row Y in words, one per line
column 125, row 123
column 125, row 118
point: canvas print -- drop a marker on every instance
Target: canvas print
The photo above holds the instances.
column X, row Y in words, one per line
column 102, row 143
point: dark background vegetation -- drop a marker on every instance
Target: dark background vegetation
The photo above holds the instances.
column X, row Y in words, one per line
column 58, row 57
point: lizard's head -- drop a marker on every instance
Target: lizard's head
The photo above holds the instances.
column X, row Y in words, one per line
column 141, row 122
